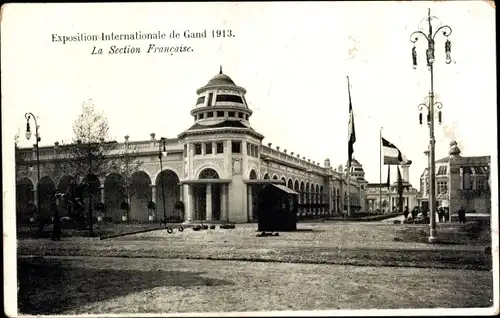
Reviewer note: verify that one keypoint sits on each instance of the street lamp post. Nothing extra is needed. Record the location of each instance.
(162, 151)
(430, 38)
(28, 116)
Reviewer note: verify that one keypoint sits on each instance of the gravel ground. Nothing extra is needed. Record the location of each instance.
(115, 285)
(355, 244)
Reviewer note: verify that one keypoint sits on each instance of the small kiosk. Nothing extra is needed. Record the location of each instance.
(277, 208)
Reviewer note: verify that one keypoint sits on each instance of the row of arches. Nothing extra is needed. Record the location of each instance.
(313, 201)
(113, 191)
(303, 186)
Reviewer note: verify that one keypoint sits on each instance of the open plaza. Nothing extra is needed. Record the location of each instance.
(217, 219)
(321, 266)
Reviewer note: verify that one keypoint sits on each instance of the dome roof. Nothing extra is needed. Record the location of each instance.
(355, 163)
(220, 79)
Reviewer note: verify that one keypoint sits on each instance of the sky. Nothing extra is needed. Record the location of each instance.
(293, 59)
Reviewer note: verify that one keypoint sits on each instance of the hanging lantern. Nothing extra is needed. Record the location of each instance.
(414, 57)
(420, 118)
(439, 117)
(428, 118)
(28, 131)
(447, 49)
(430, 56)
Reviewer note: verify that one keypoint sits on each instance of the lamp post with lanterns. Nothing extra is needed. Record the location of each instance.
(430, 37)
(29, 116)
(162, 152)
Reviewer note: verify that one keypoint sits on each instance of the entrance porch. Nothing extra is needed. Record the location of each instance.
(206, 200)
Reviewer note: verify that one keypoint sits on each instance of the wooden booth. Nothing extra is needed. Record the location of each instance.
(277, 208)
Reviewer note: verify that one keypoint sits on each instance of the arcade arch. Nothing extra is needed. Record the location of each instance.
(207, 200)
(167, 188)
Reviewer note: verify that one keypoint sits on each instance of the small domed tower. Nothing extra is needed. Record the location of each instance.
(327, 163)
(357, 171)
(221, 153)
(220, 100)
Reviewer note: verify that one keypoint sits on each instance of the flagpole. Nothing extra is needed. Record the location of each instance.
(389, 188)
(352, 139)
(380, 169)
(348, 188)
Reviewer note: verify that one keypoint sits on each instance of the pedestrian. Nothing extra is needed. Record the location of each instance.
(56, 226)
(440, 213)
(461, 215)
(406, 212)
(425, 213)
(447, 214)
(414, 213)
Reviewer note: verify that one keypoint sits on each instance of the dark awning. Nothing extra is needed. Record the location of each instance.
(284, 189)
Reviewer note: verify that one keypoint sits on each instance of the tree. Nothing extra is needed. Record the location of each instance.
(89, 152)
(92, 156)
(127, 166)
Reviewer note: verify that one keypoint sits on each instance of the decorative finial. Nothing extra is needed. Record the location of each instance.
(220, 70)
(454, 149)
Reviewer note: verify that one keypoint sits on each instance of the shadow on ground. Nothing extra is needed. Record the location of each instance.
(472, 233)
(52, 287)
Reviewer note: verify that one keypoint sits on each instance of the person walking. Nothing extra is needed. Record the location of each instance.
(406, 212)
(414, 213)
(461, 215)
(440, 213)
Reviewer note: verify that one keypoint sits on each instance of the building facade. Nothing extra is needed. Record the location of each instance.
(215, 167)
(460, 182)
(382, 199)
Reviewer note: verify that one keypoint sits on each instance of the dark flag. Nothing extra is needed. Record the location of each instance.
(392, 154)
(388, 177)
(352, 132)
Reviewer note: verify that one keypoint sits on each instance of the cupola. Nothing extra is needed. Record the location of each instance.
(221, 101)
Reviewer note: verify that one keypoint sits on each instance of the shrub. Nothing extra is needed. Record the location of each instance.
(212, 227)
(228, 226)
(151, 205)
(124, 206)
(174, 219)
(179, 205)
(107, 219)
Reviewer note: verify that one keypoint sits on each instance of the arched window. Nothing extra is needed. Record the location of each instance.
(253, 175)
(209, 174)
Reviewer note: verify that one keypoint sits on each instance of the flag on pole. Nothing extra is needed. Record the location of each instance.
(352, 132)
(392, 154)
(400, 183)
(388, 177)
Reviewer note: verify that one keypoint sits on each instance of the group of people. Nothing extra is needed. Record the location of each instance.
(43, 219)
(415, 212)
(442, 212)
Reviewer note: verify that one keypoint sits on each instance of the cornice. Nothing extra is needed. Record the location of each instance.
(211, 131)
